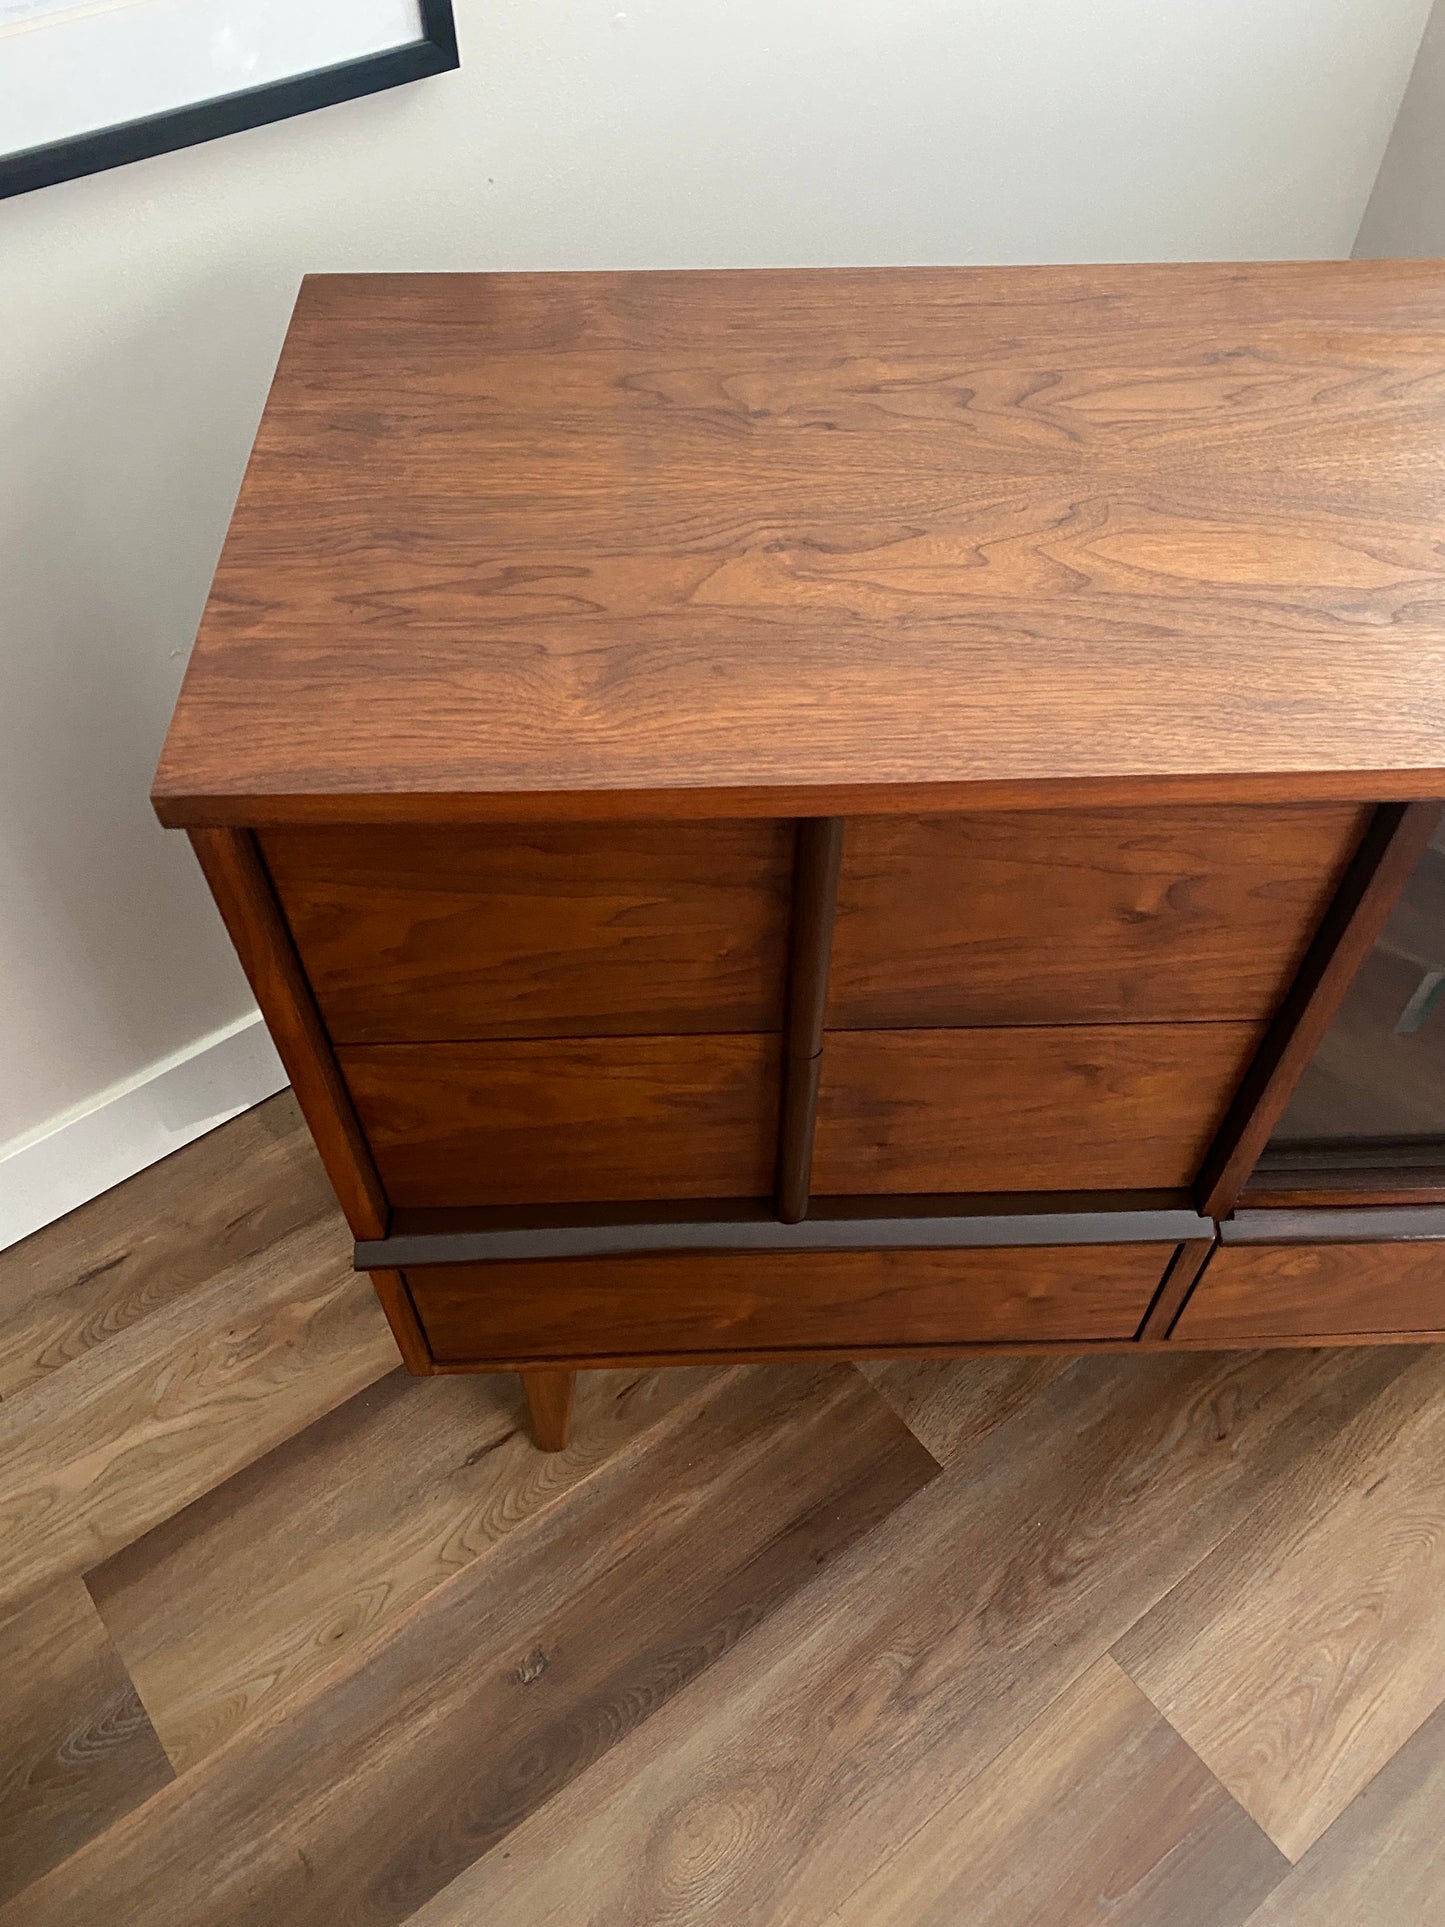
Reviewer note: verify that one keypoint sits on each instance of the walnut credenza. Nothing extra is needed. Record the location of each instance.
(835, 812)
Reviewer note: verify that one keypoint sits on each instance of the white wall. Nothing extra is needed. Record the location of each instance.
(1406, 214)
(141, 311)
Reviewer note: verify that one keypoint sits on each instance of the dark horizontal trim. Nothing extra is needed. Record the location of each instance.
(1382, 1171)
(1397, 1154)
(1353, 1224)
(134, 140)
(1369, 1188)
(413, 1219)
(859, 1226)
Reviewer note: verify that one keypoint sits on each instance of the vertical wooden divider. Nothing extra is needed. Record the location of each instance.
(1396, 839)
(1179, 1280)
(815, 901)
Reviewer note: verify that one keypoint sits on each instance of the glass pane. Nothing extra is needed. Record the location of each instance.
(1378, 1079)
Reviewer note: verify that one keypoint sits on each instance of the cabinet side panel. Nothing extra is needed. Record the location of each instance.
(396, 1301)
(248, 907)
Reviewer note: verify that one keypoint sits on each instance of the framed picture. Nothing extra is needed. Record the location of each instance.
(89, 84)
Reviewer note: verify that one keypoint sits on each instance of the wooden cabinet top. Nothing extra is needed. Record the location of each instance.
(810, 541)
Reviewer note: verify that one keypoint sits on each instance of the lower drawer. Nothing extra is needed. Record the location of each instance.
(1317, 1291)
(1047, 1108)
(569, 1121)
(758, 1302)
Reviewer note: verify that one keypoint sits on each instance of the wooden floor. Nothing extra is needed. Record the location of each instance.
(292, 1638)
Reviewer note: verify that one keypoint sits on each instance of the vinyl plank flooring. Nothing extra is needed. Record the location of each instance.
(78, 1750)
(1382, 1863)
(1097, 1813)
(762, 1793)
(93, 1456)
(952, 1403)
(514, 1675)
(1310, 1645)
(157, 1237)
(255, 1589)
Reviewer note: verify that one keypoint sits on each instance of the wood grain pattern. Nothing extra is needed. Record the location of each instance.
(248, 907)
(1099, 1813)
(1089, 916)
(395, 1301)
(92, 1457)
(797, 542)
(1175, 1287)
(399, 1653)
(1258, 1292)
(78, 1751)
(538, 930)
(862, 1706)
(1093, 1107)
(147, 1244)
(1296, 1663)
(747, 1302)
(1380, 1864)
(952, 1403)
(549, 1398)
(560, 1122)
(396, 1647)
(245, 1600)
(517, 1675)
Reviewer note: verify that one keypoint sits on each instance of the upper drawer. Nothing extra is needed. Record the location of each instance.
(526, 930)
(1084, 916)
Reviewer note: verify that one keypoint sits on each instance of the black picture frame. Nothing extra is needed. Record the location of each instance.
(135, 140)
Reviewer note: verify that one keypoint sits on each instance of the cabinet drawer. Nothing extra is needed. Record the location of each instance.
(656, 1307)
(1317, 1291)
(539, 930)
(1097, 1107)
(569, 1121)
(1086, 916)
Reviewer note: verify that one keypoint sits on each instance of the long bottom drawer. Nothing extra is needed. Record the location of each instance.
(579, 1309)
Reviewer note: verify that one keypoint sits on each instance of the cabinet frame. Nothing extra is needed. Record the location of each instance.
(388, 1240)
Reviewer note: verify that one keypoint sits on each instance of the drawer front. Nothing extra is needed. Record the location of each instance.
(1317, 1291)
(1087, 916)
(1098, 1107)
(656, 1307)
(569, 1121)
(539, 930)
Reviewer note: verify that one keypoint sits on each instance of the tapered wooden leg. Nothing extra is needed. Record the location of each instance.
(549, 1400)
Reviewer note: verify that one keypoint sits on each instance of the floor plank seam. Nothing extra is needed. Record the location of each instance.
(356, 1657)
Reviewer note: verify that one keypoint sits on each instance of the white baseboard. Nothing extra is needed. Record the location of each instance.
(78, 1155)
